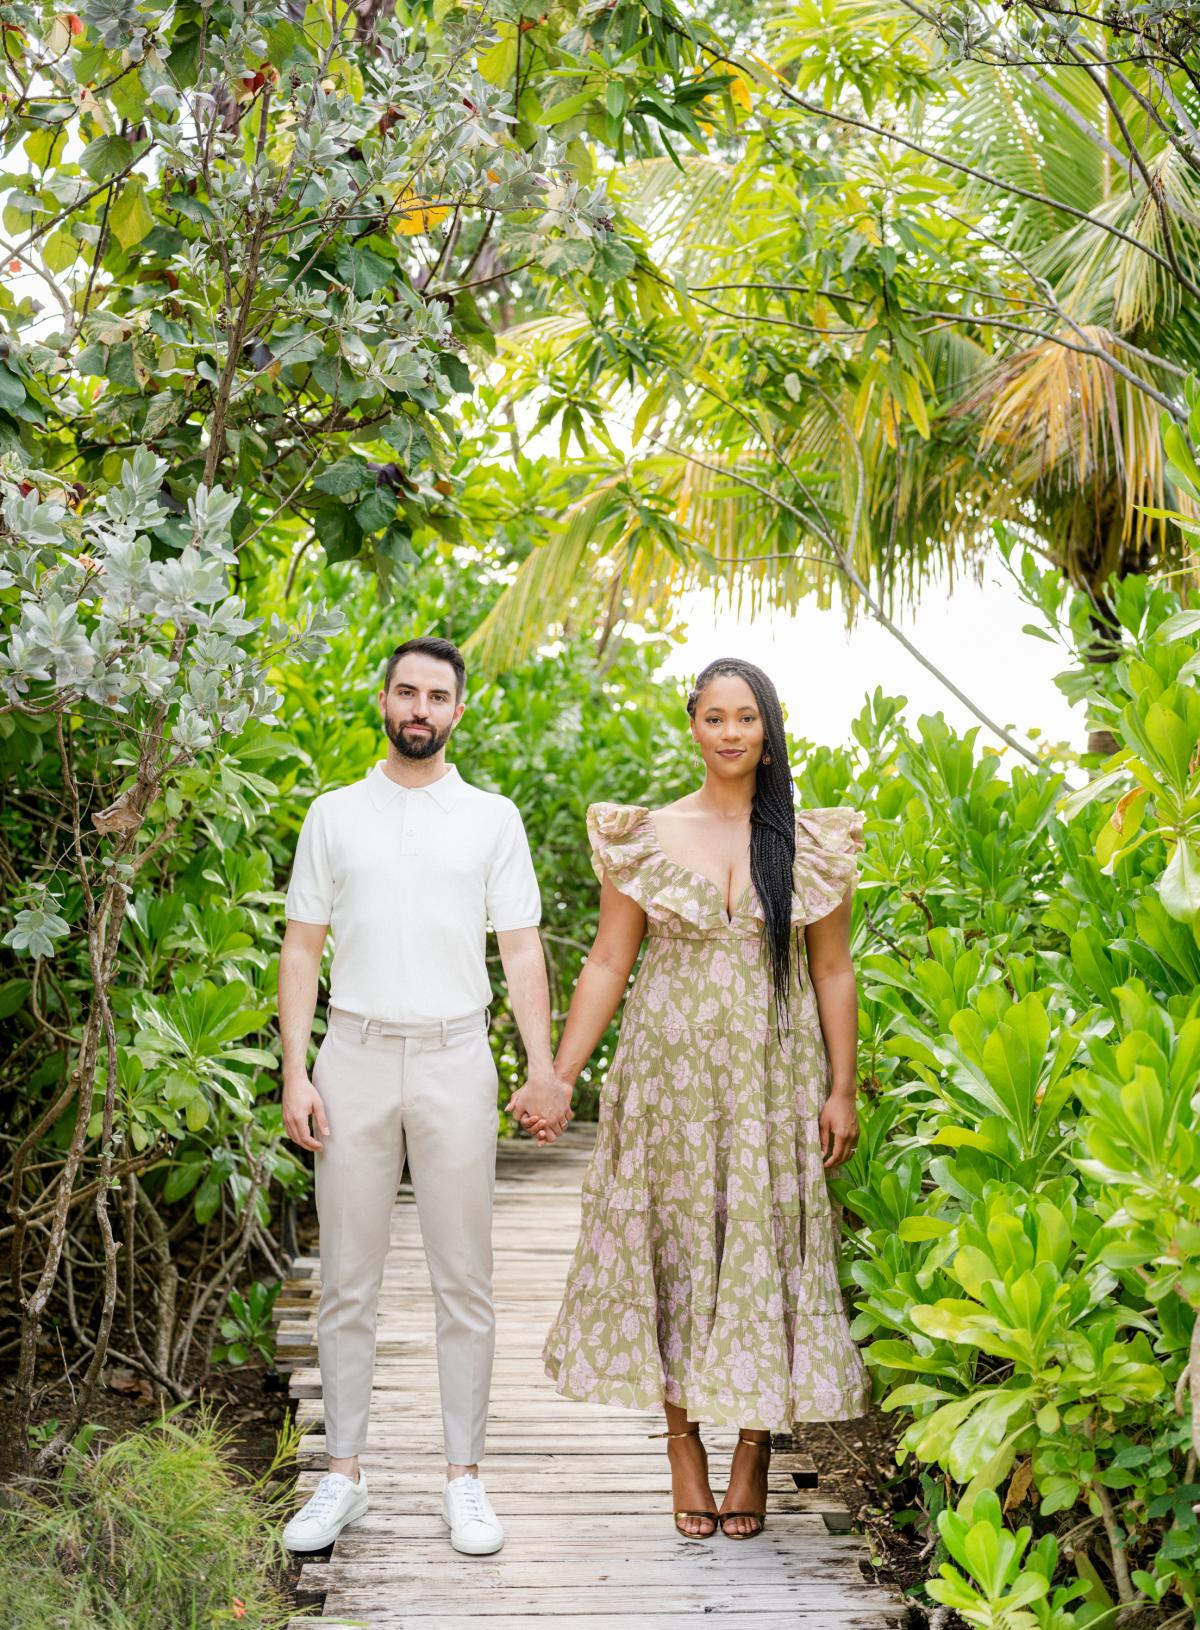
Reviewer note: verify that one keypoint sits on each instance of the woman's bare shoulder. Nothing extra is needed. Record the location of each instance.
(681, 809)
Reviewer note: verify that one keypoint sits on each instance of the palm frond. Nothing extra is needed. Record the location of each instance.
(1068, 423)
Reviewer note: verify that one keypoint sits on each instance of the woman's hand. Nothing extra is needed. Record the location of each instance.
(839, 1128)
(542, 1106)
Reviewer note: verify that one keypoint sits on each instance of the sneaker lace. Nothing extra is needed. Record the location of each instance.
(469, 1498)
(328, 1494)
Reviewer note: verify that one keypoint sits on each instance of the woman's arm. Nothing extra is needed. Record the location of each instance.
(827, 943)
(602, 980)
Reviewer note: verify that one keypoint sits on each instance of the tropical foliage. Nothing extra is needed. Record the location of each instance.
(331, 324)
(154, 1528)
(1027, 1190)
(142, 1121)
(252, 342)
(932, 269)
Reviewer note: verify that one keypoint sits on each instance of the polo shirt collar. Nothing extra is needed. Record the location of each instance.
(382, 789)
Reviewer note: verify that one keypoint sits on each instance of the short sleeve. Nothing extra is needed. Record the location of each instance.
(513, 898)
(622, 847)
(828, 843)
(310, 891)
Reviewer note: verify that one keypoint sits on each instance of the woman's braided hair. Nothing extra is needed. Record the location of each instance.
(772, 821)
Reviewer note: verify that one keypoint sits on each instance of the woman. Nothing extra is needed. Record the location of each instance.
(706, 1271)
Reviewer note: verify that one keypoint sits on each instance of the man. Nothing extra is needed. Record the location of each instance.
(406, 867)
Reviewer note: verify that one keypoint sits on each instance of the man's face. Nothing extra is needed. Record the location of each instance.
(420, 708)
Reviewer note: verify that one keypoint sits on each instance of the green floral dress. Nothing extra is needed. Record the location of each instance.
(706, 1269)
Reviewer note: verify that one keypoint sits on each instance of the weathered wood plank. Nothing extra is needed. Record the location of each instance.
(584, 1495)
(393, 1616)
(704, 1597)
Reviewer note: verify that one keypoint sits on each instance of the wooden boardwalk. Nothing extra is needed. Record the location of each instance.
(583, 1495)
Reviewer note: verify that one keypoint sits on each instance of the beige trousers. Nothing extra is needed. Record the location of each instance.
(429, 1092)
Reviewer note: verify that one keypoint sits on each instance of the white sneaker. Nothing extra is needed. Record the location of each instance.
(337, 1501)
(474, 1526)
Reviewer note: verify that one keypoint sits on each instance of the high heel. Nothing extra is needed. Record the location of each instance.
(759, 1517)
(709, 1516)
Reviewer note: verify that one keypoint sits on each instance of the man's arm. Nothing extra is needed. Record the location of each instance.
(299, 977)
(542, 1098)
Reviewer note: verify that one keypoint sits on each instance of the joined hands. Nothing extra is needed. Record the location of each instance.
(542, 1107)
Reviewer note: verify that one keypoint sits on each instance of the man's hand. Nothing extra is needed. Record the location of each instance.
(300, 1100)
(839, 1129)
(542, 1106)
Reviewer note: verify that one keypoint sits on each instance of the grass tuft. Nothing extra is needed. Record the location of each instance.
(158, 1531)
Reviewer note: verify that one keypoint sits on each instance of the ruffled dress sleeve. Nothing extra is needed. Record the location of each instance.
(828, 843)
(625, 849)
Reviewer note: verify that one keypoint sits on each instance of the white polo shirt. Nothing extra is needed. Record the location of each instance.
(407, 879)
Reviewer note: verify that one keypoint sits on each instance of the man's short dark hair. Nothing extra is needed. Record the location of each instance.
(428, 645)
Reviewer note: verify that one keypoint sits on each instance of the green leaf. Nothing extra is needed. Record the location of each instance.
(407, 437)
(614, 261)
(106, 156)
(208, 1198)
(338, 532)
(45, 145)
(285, 43)
(348, 475)
(1179, 885)
(165, 408)
(182, 1179)
(129, 217)
(128, 96)
(173, 333)
(568, 108)
(12, 390)
(455, 372)
(14, 993)
(910, 390)
(396, 544)
(498, 64)
(120, 365)
(377, 510)
(615, 97)
(364, 270)
(1074, 803)
(59, 251)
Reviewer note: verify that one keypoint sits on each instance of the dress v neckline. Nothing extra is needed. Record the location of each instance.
(701, 877)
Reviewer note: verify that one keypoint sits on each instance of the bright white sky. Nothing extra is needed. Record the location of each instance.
(972, 634)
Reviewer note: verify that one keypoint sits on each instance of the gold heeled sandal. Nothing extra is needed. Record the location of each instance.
(759, 1517)
(709, 1516)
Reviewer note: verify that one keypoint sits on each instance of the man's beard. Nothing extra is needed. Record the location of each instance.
(416, 746)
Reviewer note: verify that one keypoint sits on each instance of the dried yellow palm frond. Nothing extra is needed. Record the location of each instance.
(1145, 291)
(1067, 421)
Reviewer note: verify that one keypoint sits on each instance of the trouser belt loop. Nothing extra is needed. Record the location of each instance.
(445, 1030)
(362, 1035)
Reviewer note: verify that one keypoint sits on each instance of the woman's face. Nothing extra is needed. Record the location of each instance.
(728, 728)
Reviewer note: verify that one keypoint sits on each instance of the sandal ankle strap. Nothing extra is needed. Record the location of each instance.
(692, 1432)
(755, 1443)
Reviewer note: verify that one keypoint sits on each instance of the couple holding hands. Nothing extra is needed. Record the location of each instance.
(705, 1277)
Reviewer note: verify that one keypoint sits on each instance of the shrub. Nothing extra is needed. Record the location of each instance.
(158, 1529)
(1026, 1265)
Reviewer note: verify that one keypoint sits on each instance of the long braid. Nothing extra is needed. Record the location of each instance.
(772, 822)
